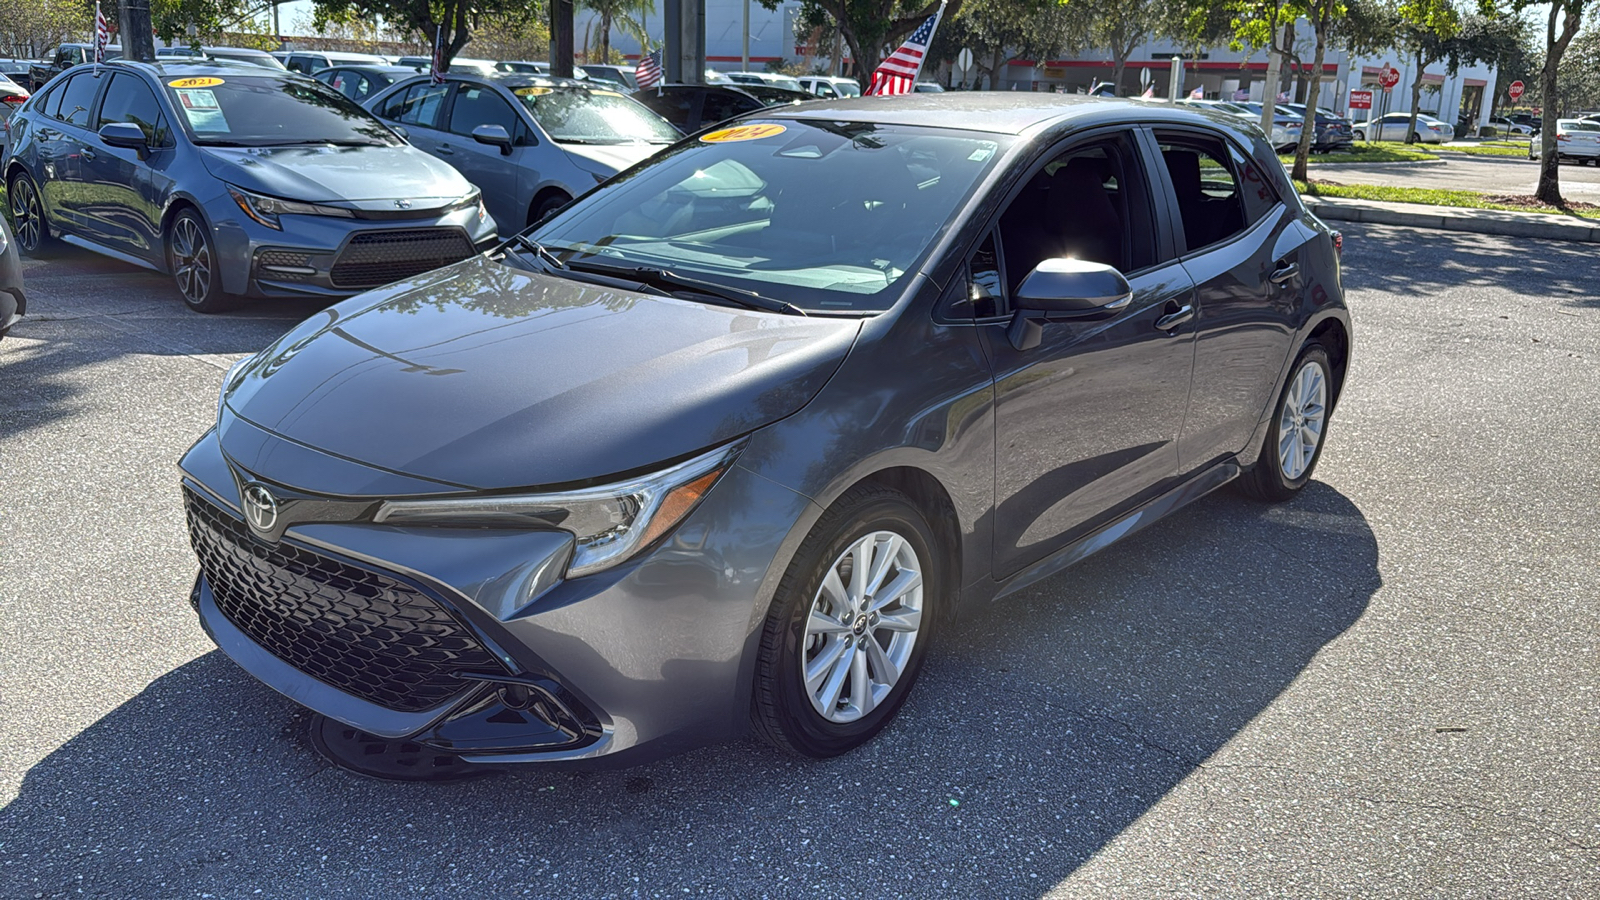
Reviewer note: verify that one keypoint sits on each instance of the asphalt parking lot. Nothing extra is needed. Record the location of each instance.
(1387, 688)
(1497, 175)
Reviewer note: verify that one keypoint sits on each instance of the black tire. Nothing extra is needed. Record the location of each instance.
(545, 207)
(192, 260)
(29, 227)
(1267, 479)
(783, 710)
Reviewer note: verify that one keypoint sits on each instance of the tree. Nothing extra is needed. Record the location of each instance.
(1119, 26)
(627, 14)
(1563, 19)
(1426, 30)
(455, 18)
(873, 27)
(1321, 14)
(997, 31)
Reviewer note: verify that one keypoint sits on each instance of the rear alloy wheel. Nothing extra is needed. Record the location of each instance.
(193, 263)
(27, 217)
(1300, 423)
(848, 631)
(1359, 135)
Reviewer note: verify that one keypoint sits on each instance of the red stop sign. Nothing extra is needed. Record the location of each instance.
(1515, 91)
(1389, 77)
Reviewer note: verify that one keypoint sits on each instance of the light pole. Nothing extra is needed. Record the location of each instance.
(744, 53)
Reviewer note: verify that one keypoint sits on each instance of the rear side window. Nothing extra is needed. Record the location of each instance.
(128, 99)
(1208, 190)
(77, 97)
(719, 106)
(419, 105)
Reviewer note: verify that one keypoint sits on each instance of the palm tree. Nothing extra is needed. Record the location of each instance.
(625, 14)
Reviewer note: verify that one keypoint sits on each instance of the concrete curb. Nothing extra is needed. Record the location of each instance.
(1543, 226)
(1317, 165)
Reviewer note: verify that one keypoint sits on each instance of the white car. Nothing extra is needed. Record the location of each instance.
(787, 82)
(1285, 125)
(1577, 139)
(1393, 127)
(1506, 126)
(831, 86)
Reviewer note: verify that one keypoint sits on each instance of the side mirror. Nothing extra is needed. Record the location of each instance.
(495, 136)
(125, 135)
(400, 131)
(1065, 289)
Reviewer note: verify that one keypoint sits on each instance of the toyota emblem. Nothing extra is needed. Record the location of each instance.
(260, 507)
(402, 204)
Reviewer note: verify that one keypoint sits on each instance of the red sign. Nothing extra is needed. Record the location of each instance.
(1515, 91)
(1388, 77)
(1360, 99)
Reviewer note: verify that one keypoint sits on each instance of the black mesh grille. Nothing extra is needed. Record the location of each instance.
(284, 258)
(379, 257)
(360, 631)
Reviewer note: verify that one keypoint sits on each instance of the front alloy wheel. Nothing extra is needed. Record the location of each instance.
(1294, 443)
(27, 216)
(193, 263)
(850, 625)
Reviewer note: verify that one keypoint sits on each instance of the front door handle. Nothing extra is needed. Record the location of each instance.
(1173, 319)
(1284, 272)
(86, 153)
(444, 150)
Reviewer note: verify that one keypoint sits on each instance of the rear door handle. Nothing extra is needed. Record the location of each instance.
(1173, 319)
(1284, 272)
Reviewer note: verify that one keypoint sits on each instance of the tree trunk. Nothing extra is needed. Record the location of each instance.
(1549, 190)
(1119, 64)
(1320, 21)
(1269, 90)
(1416, 98)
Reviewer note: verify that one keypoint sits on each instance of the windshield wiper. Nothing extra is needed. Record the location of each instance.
(538, 249)
(670, 279)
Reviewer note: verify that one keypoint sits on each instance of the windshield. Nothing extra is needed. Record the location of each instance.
(773, 96)
(253, 111)
(585, 116)
(847, 88)
(827, 216)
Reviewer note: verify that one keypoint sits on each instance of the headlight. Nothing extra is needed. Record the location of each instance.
(266, 210)
(611, 523)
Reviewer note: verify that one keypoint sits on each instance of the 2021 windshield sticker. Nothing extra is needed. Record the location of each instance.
(195, 82)
(742, 133)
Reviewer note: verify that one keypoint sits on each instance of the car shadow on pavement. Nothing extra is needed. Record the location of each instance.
(1413, 262)
(1045, 725)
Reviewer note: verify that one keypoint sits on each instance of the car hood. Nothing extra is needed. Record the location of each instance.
(323, 173)
(609, 159)
(485, 376)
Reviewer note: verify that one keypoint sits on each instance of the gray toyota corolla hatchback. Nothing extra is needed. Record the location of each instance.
(730, 441)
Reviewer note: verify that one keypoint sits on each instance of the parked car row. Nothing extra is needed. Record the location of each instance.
(1576, 139)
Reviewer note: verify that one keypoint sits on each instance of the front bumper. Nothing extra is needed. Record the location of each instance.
(644, 660)
(329, 257)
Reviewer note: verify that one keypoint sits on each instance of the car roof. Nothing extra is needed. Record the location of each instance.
(380, 68)
(184, 66)
(998, 112)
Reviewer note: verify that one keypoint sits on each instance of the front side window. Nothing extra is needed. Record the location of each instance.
(721, 105)
(478, 104)
(128, 99)
(828, 216)
(77, 97)
(1208, 190)
(584, 116)
(249, 111)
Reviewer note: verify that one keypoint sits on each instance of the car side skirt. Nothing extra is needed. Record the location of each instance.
(103, 250)
(1203, 483)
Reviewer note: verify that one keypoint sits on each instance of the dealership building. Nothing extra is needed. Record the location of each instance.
(775, 39)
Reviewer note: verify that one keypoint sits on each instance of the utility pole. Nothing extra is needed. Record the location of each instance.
(561, 38)
(134, 22)
(744, 54)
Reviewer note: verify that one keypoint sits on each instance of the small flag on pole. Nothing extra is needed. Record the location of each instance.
(436, 75)
(102, 34)
(1198, 93)
(649, 73)
(898, 73)
(1149, 93)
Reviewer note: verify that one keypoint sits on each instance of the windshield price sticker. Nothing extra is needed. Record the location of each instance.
(195, 82)
(201, 106)
(742, 133)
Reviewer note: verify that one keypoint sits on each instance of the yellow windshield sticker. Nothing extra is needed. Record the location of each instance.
(195, 82)
(606, 93)
(742, 133)
(531, 91)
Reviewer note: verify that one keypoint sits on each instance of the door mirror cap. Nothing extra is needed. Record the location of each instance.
(495, 136)
(1067, 286)
(125, 135)
(399, 131)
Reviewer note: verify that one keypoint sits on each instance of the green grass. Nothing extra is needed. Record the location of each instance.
(1389, 151)
(1496, 149)
(1429, 196)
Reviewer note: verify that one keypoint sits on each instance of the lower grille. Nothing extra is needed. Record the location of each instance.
(361, 631)
(281, 259)
(375, 258)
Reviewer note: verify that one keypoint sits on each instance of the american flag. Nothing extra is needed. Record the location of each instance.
(649, 73)
(102, 34)
(1198, 93)
(436, 72)
(898, 73)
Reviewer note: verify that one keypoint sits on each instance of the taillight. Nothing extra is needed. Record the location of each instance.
(1563, 137)
(1338, 244)
(15, 101)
